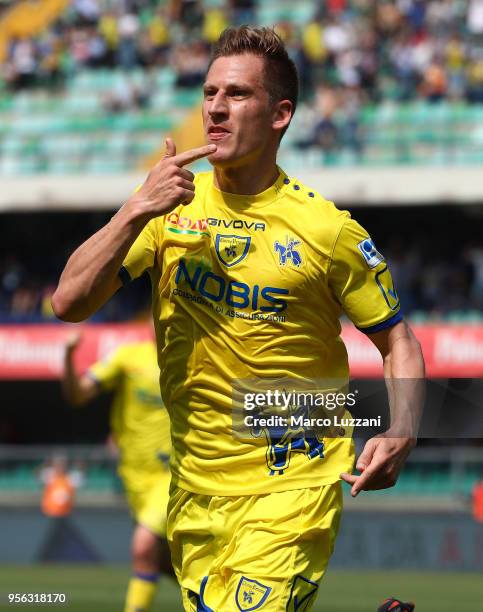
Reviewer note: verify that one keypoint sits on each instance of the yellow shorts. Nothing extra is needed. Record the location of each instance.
(265, 552)
(148, 500)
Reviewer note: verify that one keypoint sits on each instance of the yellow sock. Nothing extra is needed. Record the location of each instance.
(140, 592)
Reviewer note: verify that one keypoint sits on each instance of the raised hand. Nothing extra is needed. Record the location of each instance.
(169, 183)
(73, 341)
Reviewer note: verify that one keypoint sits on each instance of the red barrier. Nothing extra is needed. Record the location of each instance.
(36, 351)
(450, 350)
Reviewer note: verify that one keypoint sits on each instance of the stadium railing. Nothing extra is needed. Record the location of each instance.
(432, 475)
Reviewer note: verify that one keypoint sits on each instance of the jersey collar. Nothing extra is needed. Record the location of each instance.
(240, 202)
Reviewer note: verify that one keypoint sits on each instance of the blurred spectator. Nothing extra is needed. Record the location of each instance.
(402, 48)
(22, 66)
(127, 96)
(88, 11)
(478, 502)
(243, 11)
(214, 23)
(191, 62)
(475, 16)
(434, 85)
(336, 121)
(159, 37)
(59, 487)
(326, 134)
(128, 28)
(107, 27)
(189, 13)
(475, 80)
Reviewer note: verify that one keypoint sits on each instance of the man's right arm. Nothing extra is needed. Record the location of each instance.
(90, 277)
(78, 390)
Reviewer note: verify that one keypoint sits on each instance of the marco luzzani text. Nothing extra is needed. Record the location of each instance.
(297, 407)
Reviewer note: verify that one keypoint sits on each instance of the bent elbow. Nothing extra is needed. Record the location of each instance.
(65, 310)
(60, 307)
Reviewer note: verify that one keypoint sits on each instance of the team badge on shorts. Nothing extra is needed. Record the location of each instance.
(251, 594)
(371, 255)
(231, 249)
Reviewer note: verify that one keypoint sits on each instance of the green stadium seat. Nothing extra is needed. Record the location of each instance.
(35, 124)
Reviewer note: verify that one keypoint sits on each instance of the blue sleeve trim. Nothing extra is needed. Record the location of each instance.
(124, 276)
(384, 325)
(146, 577)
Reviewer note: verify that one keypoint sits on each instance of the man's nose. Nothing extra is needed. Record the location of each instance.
(218, 106)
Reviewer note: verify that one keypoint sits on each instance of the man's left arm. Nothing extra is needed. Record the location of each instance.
(384, 455)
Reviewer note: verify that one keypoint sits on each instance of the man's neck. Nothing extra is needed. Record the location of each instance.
(245, 180)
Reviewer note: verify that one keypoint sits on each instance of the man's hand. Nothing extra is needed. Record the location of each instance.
(78, 390)
(169, 183)
(91, 275)
(73, 341)
(379, 463)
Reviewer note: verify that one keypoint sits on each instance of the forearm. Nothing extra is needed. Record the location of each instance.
(404, 376)
(91, 274)
(384, 455)
(71, 386)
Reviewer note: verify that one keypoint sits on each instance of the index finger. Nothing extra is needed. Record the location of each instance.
(193, 154)
(364, 479)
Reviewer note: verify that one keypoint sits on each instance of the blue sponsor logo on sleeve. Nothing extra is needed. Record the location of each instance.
(369, 252)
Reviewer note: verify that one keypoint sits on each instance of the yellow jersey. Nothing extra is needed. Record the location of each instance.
(138, 417)
(252, 287)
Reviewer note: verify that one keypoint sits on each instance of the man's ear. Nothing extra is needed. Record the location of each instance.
(282, 114)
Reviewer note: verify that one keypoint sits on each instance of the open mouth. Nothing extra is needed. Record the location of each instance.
(217, 133)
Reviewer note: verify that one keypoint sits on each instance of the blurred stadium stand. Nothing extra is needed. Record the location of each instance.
(390, 123)
(85, 84)
(433, 478)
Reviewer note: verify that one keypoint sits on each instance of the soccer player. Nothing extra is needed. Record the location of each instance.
(250, 272)
(140, 428)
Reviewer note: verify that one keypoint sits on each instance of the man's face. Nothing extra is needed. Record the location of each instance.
(237, 113)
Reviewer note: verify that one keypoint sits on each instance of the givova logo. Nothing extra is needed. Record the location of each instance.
(235, 294)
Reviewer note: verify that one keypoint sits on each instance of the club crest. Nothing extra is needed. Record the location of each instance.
(231, 249)
(288, 252)
(251, 594)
